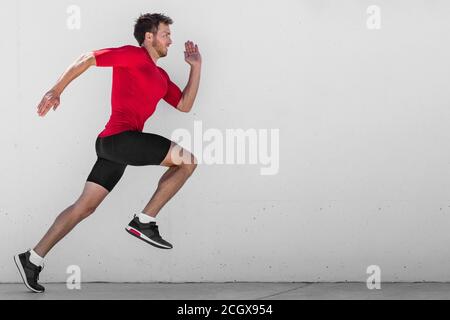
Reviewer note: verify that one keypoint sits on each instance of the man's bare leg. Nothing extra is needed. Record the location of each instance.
(93, 194)
(181, 165)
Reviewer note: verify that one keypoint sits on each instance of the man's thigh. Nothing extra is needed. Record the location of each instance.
(135, 148)
(106, 173)
(177, 155)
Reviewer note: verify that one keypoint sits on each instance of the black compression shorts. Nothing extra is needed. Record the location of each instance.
(126, 148)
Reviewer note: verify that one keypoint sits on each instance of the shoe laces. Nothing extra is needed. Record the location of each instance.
(153, 227)
(39, 268)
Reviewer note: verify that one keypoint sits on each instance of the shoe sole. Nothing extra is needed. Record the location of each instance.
(22, 274)
(139, 235)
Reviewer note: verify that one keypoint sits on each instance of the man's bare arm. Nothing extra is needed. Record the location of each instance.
(194, 59)
(52, 98)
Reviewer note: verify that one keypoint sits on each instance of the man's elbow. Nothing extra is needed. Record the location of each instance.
(88, 59)
(182, 107)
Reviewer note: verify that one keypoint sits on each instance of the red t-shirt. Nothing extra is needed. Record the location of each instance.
(138, 85)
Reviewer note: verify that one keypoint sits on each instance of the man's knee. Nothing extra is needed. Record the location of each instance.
(83, 210)
(191, 168)
(190, 164)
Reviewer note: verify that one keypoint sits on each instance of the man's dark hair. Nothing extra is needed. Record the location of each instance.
(149, 22)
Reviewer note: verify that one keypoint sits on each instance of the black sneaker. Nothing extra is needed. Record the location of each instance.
(147, 232)
(29, 272)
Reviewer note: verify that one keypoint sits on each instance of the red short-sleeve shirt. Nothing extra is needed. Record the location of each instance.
(138, 85)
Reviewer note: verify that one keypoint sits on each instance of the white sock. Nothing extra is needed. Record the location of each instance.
(145, 218)
(36, 259)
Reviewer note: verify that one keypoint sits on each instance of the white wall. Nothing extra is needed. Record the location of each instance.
(364, 159)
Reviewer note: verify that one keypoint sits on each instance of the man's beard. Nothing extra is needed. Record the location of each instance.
(161, 52)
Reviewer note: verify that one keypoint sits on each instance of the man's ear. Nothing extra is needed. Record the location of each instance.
(149, 36)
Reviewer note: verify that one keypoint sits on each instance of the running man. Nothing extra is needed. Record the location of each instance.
(138, 85)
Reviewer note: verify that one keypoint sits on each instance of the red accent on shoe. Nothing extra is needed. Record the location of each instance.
(135, 232)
